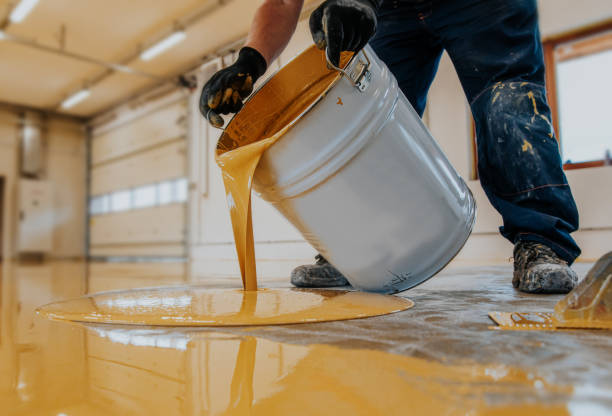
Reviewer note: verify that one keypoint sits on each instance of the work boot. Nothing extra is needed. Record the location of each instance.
(538, 269)
(320, 274)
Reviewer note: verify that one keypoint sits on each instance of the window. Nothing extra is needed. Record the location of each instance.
(120, 201)
(145, 196)
(578, 69)
(99, 205)
(161, 193)
(164, 190)
(180, 190)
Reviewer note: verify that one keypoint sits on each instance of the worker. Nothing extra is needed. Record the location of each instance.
(496, 50)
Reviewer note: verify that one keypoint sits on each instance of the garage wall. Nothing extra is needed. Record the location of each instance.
(65, 161)
(8, 169)
(138, 185)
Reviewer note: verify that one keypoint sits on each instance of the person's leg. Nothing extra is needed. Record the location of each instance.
(412, 55)
(410, 51)
(495, 47)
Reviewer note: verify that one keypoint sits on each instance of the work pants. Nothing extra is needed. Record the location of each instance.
(496, 50)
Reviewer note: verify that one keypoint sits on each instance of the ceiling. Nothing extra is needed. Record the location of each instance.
(35, 71)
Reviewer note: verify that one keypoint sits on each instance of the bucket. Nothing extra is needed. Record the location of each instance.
(357, 173)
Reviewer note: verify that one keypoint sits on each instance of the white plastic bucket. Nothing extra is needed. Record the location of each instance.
(361, 178)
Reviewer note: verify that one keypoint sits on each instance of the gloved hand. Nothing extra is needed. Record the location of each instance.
(343, 25)
(224, 92)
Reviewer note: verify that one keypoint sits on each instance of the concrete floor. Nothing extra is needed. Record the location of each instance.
(442, 357)
(450, 323)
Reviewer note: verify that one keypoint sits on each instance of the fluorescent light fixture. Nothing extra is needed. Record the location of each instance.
(163, 45)
(76, 98)
(22, 10)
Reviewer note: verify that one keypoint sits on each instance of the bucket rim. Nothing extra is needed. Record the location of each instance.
(271, 78)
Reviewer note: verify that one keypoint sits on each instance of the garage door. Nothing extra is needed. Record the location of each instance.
(138, 181)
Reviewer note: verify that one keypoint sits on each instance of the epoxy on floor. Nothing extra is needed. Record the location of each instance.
(200, 305)
(438, 358)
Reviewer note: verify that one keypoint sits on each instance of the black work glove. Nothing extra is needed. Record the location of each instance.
(224, 91)
(343, 25)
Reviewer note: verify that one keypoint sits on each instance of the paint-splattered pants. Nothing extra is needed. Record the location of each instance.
(496, 49)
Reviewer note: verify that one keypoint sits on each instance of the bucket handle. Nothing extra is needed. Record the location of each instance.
(359, 75)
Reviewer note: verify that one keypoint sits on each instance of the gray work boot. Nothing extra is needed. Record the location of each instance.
(321, 274)
(538, 269)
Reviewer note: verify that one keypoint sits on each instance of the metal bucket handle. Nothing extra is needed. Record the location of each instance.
(359, 75)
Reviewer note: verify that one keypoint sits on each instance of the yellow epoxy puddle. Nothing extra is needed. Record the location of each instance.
(262, 122)
(201, 306)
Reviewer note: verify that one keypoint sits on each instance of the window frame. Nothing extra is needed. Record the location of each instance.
(587, 38)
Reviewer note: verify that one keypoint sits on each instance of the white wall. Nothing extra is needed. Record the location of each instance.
(65, 169)
(8, 169)
(558, 16)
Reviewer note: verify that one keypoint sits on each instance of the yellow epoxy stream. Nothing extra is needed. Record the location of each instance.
(238, 167)
(260, 124)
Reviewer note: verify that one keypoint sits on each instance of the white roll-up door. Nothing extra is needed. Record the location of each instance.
(138, 181)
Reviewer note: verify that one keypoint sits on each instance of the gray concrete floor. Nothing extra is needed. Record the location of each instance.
(450, 323)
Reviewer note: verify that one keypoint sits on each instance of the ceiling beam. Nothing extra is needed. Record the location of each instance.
(185, 22)
(64, 53)
(194, 65)
(44, 111)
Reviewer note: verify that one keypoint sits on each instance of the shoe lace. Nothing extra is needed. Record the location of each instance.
(320, 260)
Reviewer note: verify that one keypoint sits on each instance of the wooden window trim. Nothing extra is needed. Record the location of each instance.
(585, 43)
(582, 165)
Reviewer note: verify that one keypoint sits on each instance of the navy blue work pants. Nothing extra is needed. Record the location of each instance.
(496, 50)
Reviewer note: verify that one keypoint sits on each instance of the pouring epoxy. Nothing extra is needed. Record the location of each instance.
(238, 153)
(352, 149)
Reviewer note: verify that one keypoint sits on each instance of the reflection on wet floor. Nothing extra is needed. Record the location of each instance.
(438, 358)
